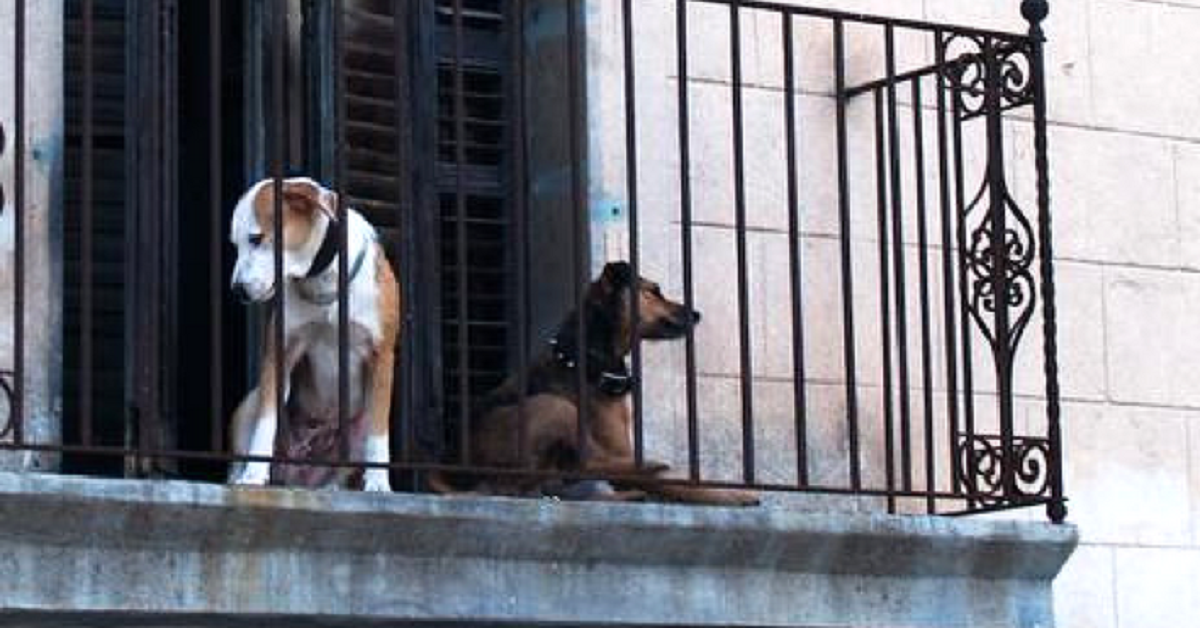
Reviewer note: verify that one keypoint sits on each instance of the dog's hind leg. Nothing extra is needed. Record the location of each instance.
(376, 448)
(372, 444)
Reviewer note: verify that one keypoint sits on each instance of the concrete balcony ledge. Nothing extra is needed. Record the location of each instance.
(183, 554)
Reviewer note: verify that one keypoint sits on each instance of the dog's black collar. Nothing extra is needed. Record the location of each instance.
(612, 382)
(312, 291)
(330, 245)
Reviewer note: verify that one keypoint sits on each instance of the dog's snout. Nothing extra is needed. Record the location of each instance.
(696, 316)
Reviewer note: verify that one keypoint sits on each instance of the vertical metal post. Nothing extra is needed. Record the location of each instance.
(999, 280)
(278, 159)
(743, 284)
(898, 262)
(685, 227)
(964, 296)
(631, 182)
(948, 303)
(520, 213)
(86, 228)
(581, 219)
(404, 207)
(343, 218)
(885, 323)
(1035, 11)
(795, 253)
(216, 228)
(18, 407)
(460, 240)
(847, 265)
(923, 270)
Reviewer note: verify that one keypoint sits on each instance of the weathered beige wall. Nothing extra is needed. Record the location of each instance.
(1125, 155)
(43, 221)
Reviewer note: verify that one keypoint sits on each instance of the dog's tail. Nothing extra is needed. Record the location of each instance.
(699, 495)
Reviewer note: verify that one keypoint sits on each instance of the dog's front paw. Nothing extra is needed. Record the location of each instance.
(253, 474)
(376, 481)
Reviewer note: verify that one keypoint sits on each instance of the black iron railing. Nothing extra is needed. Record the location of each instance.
(959, 266)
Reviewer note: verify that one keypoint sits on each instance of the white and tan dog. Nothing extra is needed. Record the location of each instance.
(310, 428)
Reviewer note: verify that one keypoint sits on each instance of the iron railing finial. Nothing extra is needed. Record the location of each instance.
(1035, 12)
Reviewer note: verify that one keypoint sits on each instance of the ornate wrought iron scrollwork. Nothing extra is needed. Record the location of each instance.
(6, 410)
(1017, 255)
(966, 71)
(981, 468)
(1016, 74)
(987, 76)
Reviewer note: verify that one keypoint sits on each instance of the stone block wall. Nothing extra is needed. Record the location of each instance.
(42, 220)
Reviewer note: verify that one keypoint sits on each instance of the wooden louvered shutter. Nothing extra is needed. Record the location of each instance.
(486, 208)
(109, 198)
(425, 239)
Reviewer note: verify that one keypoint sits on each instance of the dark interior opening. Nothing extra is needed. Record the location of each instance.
(112, 179)
(195, 206)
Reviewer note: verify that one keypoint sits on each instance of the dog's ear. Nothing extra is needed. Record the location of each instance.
(306, 195)
(617, 275)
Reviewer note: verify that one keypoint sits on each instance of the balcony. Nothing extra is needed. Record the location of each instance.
(858, 205)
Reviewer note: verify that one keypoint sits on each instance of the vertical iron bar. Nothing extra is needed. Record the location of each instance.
(343, 218)
(581, 218)
(795, 255)
(520, 217)
(743, 284)
(923, 270)
(86, 214)
(18, 408)
(881, 191)
(404, 205)
(460, 240)
(898, 261)
(964, 296)
(947, 263)
(998, 211)
(631, 175)
(216, 227)
(848, 335)
(685, 226)
(1035, 11)
(278, 158)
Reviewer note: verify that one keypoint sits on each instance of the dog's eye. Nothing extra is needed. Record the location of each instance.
(256, 239)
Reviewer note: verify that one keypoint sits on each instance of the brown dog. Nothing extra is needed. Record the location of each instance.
(551, 407)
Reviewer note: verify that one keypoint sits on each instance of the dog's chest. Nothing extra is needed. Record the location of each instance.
(305, 317)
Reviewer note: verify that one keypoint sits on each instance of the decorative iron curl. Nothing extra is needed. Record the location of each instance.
(1019, 252)
(1032, 467)
(966, 72)
(1016, 74)
(982, 470)
(6, 396)
(967, 67)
